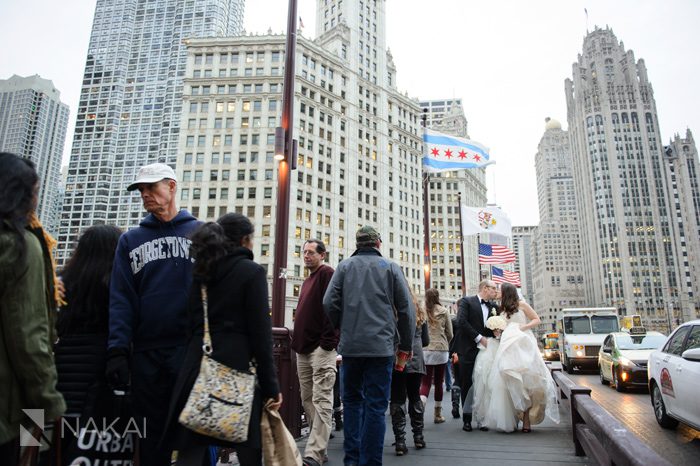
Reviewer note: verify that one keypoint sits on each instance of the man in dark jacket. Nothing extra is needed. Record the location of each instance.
(151, 279)
(471, 320)
(315, 341)
(368, 301)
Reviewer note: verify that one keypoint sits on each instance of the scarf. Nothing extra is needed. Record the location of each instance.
(50, 244)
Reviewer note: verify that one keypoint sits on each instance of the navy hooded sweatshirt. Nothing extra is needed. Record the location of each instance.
(150, 283)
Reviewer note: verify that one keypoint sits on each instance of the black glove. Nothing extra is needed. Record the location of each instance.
(117, 368)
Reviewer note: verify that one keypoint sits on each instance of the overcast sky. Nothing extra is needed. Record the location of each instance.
(507, 60)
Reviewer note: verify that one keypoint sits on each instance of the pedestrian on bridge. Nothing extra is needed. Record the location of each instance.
(471, 320)
(149, 292)
(81, 349)
(315, 342)
(368, 301)
(437, 352)
(239, 324)
(28, 301)
(406, 384)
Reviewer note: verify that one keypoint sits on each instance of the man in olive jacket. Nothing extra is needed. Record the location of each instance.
(27, 369)
(368, 300)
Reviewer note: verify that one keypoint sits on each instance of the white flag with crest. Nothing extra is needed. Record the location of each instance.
(490, 219)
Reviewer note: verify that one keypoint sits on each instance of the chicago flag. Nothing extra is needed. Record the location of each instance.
(444, 153)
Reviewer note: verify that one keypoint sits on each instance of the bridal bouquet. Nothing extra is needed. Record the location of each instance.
(496, 323)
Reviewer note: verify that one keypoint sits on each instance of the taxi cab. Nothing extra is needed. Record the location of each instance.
(622, 360)
(550, 347)
(674, 375)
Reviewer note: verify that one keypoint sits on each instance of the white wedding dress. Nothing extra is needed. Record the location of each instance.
(510, 377)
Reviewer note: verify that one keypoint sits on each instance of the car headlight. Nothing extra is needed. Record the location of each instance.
(626, 362)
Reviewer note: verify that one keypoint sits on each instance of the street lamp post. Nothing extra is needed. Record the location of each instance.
(285, 153)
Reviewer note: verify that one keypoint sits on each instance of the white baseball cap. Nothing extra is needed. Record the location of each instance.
(152, 174)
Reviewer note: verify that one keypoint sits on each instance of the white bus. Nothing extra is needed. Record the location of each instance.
(582, 333)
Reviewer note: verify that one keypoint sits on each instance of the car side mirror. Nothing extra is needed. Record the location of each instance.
(692, 354)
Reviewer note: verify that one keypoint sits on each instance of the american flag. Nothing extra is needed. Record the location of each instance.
(495, 254)
(505, 276)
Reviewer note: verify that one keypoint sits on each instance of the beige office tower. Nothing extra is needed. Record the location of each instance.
(625, 215)
(359, 159)
(681, 157)
(447, 116)
(557, 278)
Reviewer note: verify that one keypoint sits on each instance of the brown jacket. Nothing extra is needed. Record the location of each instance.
(440, 330)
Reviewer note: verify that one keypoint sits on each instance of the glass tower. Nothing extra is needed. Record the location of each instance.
(130, 103)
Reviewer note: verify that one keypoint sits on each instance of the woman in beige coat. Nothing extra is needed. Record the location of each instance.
(437, 352)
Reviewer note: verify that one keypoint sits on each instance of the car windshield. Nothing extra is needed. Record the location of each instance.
(550, 343)
(640, 342)
(605, 324)
(578, 324)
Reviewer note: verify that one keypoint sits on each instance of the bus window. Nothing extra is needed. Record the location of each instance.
(577, 324)
(605, 324)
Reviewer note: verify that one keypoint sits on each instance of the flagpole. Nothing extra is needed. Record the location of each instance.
(461, 242)
(426, 214)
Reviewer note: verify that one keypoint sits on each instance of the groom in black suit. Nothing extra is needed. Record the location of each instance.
(471, 319)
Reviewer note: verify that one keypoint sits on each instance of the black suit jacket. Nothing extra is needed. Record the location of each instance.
(470, 323)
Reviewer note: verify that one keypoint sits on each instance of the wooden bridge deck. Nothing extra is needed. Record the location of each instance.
(448, 445)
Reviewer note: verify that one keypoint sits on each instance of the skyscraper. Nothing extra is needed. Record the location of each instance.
(359, 140)
(522, 247)
(33, 123)
(557, 277)
(131, 102)
(681, 156)
(622, 195)
(447, 116)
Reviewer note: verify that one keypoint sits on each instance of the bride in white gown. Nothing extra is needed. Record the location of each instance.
(511, 381)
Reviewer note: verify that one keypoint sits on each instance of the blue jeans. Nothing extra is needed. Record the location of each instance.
(366, 386)
(448, 374)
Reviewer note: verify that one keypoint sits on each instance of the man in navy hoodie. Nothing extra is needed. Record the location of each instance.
(149, 290)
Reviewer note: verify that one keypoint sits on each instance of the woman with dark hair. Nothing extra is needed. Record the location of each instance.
(407, 384)
(27, 304)
(521, 387)
(437, 352)
(82, 327)
(86, 279)
(239, 324)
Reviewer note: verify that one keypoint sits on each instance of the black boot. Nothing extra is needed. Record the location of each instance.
(398, 423)
(416, 412)
(456, 393)
(338, 417)
(467, 422)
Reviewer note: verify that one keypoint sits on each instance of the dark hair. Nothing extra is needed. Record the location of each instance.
(320, 245)
(509, 299)
(86, 277)
(214, 240)
(432, 298)
(18, 179)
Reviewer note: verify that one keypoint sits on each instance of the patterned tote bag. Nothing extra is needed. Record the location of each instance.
(221, 399)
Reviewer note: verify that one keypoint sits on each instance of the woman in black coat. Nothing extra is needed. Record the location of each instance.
(82, 321)
(81, 349)
(239, 324)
